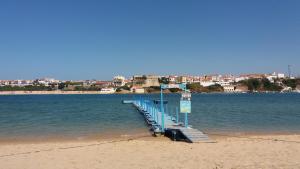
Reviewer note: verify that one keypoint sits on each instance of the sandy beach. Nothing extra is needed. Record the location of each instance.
(268, 151)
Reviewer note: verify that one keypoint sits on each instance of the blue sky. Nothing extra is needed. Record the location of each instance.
(98, 39)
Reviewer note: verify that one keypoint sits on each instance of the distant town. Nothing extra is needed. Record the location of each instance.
(273, 82)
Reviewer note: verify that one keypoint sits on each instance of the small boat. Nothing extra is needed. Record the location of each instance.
(158, 101)
(107, 91)
(127, 101)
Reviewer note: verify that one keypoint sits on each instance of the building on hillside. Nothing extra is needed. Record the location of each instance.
(280, 75)
(229, 88)
(172, 79)
(249, 76)
(152, 80)
(88, 83)
(227, 78)
(273, 76)
(216, 78)
(207, 83)
(46, 81)
(103, 84)
(240, 78)
(119, 81)
(196, 79)
(145, 80)
(223, 83)
(190, 80)
(4, 83)
(181, 79)
(138, 80)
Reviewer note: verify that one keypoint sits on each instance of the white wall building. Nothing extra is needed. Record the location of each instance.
(229, 89)
(137, 90)
(223, 83)
(119, 81)
(280, 75)
(172, 79)
(207, 83)
(107, 91)
(273, 76)
(238, 79)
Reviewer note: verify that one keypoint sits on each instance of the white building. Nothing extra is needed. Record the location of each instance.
(280, 75)
(241, 78)
(207, 83)
(216, 77)
(137, 90)
(47, 81)
(273, 76)
(223, 83)
(119, 81)
(107, 91)
(172, 79)
(229, 89)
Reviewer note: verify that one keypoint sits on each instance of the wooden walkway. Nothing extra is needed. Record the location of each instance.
(154, 120)
(194, 135)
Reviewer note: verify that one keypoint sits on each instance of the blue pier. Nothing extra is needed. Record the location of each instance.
(163, 123)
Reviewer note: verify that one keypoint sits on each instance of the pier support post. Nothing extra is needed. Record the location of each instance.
(186, 120)
(162, 110)
(177, 115)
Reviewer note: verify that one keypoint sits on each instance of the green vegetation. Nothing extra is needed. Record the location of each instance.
(174, 90)
(74, 83)
(26, 88)
(61, 86)
(152, 89)
(291, 82)
(91, 88)
(268, 86)
(122, 88)
(253, 84)
(215, 88)
(196, 87)
(261, 85)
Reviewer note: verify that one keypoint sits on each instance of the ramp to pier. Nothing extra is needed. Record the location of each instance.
(194, 135)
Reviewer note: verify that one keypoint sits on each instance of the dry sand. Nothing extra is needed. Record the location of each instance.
(273, 151)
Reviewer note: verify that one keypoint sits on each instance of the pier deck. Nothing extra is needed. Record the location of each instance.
(153, 117)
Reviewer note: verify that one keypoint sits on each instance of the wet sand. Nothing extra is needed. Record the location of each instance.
(242, 151)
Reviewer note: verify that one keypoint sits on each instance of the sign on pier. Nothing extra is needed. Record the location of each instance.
(185, 106)
(185, 102)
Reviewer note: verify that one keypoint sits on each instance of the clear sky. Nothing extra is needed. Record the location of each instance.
(98, 39)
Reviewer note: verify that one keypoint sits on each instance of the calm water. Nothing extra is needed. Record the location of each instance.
(83, 116)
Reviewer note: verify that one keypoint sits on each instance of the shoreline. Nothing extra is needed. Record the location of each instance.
(58, 92)
(146, 136)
